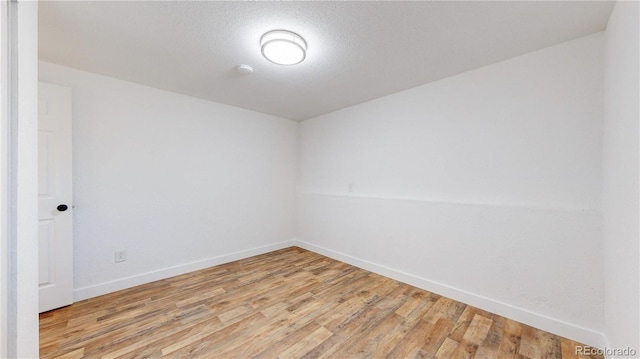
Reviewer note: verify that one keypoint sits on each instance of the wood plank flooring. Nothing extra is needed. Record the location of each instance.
(290, 303)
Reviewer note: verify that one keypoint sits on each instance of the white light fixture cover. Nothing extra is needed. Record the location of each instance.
(283, 47)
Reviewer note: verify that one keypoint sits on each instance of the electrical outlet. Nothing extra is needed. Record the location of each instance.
(121, 256)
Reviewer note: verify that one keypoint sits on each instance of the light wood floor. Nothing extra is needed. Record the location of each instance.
(290, 303)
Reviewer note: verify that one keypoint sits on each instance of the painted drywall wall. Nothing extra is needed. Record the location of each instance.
(179, 183)
(4, 193)
(621, 182)
(23, 289)
(485, 187)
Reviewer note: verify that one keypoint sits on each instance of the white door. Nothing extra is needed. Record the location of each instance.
(55, 218)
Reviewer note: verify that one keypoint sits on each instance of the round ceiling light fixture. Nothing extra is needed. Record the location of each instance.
(283, 47)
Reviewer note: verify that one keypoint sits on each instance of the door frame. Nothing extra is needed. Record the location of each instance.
(3, 178)
(18, 169)
(7, 216)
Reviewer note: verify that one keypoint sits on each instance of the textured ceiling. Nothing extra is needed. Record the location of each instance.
(358, 51)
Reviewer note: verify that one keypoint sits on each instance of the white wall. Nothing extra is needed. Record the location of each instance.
(27, 183)
(621, 206)
(485, 187)
(180, 183)
(4, 179)
(20, 151)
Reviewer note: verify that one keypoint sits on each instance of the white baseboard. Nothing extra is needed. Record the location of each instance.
(552, 325)
(148, 277)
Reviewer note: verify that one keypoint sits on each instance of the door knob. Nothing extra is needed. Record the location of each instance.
(62, 207)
